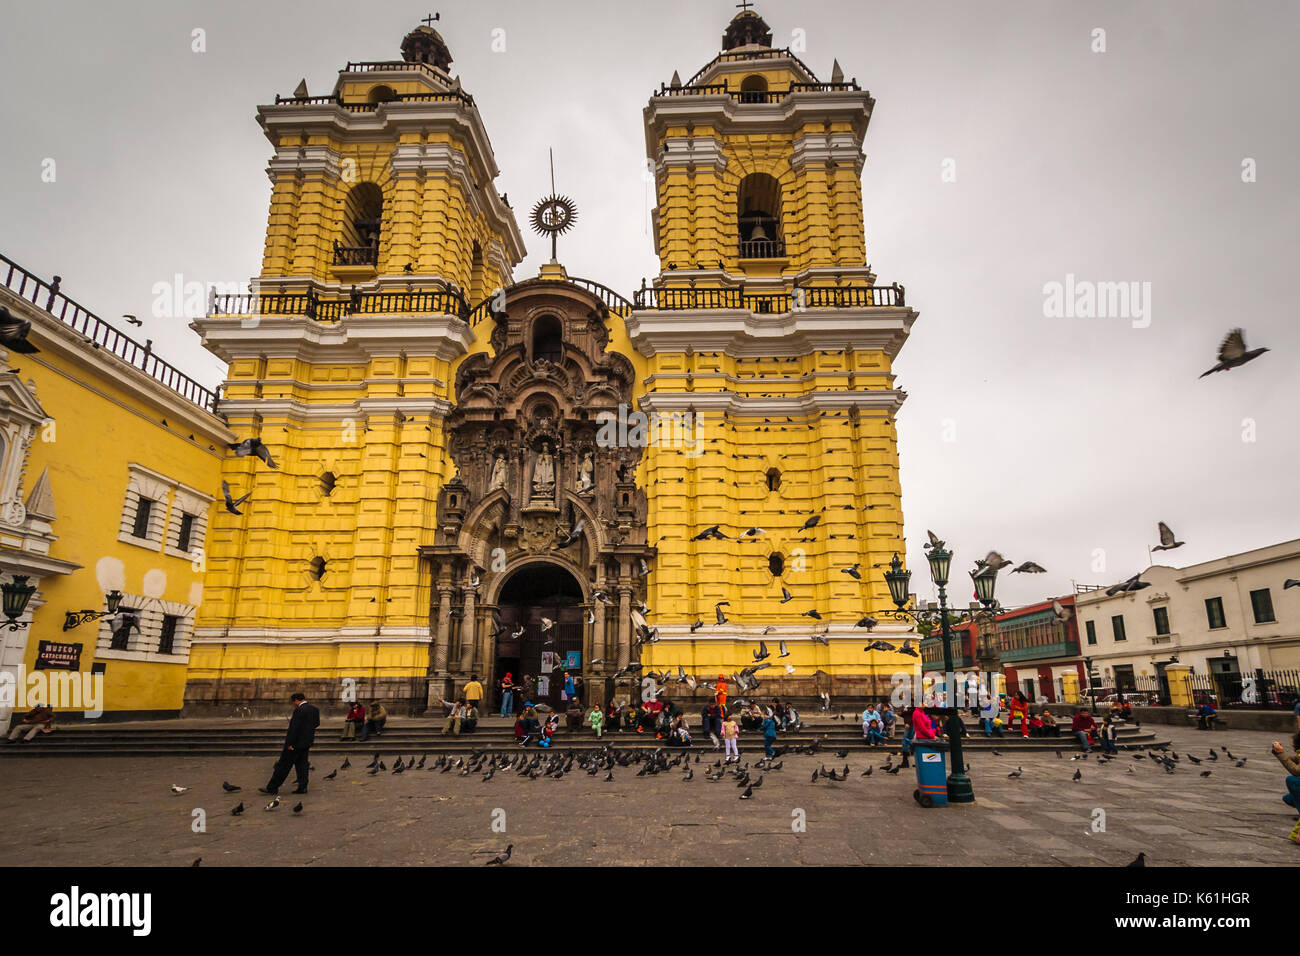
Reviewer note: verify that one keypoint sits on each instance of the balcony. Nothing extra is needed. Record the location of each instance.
(762, 249)
(775, 303)
(320, 309)
(356, 255)
(1038, 652)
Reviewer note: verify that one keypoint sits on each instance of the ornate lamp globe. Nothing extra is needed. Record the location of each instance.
(986, 580)
(113, 600)
(940, 559)
(15, 595)
(898, 579)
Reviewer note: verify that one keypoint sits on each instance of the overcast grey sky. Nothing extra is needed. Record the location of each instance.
(1047, 438)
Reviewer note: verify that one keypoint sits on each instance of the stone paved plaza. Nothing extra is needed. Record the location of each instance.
(113, 811)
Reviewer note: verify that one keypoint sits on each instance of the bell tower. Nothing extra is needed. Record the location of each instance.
(385, 228)
(767, 331)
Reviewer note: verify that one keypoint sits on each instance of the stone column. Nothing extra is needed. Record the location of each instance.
(443, 637)
(467, 636)
(598, 649)
(624, 625)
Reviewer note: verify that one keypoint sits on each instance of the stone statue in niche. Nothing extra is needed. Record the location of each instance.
(544, 472)
(498, 473)
(586, 474)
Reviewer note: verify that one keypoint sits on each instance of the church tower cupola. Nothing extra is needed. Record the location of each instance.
(425, 45)
(746, 28)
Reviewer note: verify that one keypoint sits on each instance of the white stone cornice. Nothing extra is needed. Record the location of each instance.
(355, 339)
(741, 333)
(696, 152)
(291, 409)
(305, 160)
(287, 635)
(886, 401)
(729, 117)
(820, 149)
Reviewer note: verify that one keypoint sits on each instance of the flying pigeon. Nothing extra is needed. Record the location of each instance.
(762, 653)
(994, 561)
(13, 332)
(717, 609)
(254, 447)
(710, 532)
(810, 523)
(574, 536)
(934, 541)
(1232, 352)
(232, 504)
(1290, 583)
(1062, 612)
(1132, 584)
(867, 622)
(811, 612)
(786, 595)
(785, 651)
(1029, 567)
(1167, 539)
(852, 572)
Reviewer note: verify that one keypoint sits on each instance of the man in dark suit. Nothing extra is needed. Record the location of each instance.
(297, 746)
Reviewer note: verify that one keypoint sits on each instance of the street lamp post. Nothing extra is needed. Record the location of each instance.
(940, 559)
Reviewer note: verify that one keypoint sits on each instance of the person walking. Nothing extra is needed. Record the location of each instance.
(507, 695)
(297, 746)
(731, 737)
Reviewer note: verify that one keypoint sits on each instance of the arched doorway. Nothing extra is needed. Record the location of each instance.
(531, 593)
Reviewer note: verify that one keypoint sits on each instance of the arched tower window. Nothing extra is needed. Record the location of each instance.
(476, 283)
(773, 480)
(381, 94)
(753, 89)
(363, 215)
(759, 217)
(548, 339)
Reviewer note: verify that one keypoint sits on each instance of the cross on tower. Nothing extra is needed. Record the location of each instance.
(744, 5)
(429, 20)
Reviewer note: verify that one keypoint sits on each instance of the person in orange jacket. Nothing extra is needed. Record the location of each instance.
(720, 694)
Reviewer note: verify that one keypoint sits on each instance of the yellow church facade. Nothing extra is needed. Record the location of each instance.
(109, 457)
(467, 474)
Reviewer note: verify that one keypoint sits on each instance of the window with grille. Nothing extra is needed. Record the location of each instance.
(122, 636)
(1261, 604)
(1214, 612)
(1161, 615)
(143, 509)
(185, 533)
(167, 639)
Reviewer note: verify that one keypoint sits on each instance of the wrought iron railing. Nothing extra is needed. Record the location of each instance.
(753, 96)
(856, 297)
(355, 255)
(102, 335)
(730, 57)
(363, 106)
(615, 302)
(1262, 689)
(331, 309)
(762, 248)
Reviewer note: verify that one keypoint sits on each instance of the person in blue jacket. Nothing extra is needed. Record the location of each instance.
(769, 735)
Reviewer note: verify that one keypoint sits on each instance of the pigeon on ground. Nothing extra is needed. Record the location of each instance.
(229, 787)
(1139, 860)
(1206, 773)
(748, 794)
(346, 763)
(275, 802)
(1078, 775)
(331, 775)
(1018, 771)
(501, 858)
(238, 810)
(176, 789)
(1233, 352)
(297, 808)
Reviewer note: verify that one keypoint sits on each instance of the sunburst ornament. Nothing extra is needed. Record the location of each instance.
(555, 214)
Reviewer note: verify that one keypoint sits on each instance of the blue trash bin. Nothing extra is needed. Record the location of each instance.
(931, 773)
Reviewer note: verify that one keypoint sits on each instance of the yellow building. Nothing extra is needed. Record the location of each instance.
(109, 458)
(480, 477)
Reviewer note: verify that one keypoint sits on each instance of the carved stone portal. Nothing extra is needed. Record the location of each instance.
(536, 491)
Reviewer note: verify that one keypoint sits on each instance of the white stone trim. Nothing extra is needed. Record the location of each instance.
(295, 636)
(356, 339)
(143, 643)
(888, 401)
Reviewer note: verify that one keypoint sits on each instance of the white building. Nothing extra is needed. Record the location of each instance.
(1223, 618)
